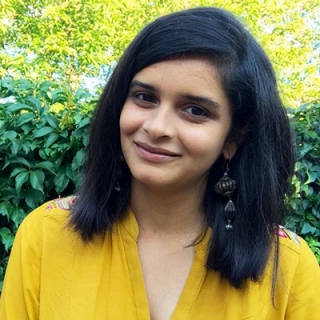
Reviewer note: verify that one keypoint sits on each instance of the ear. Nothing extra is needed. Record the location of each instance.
(233, 142)
(230, 149)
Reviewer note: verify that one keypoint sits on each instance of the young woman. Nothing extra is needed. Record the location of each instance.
(179, 213)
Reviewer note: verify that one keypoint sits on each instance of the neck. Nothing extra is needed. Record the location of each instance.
(174, 214)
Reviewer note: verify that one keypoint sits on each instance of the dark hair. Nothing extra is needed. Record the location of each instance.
(262, 165)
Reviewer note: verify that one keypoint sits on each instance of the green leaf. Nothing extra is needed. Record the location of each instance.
(26, 128)
(21, 179)
(35, 102)
(22, 161)
(8, 83)
(4, 206)
(19, 160)
(24, 84)
(58, 95)
(7, 190)
(312, 176)
(45, 86)
(316, 169)
(86, 140)
(61, 181)
(16, 171)
(80, 94)
(6, 238)
(19, 107)
(36, 180)
(312, 134)
(43, 132)
(2, 124)
(33, 198)
(53, 121)
(305, 149)
(17, 215)
(15, 146)
(27, 147)
(74, 143)
(69, 172)
(43, 155)
(82, 128)
(83, 123)
(64, 133)
(47, 165)
(25, 118)
(78, 160)
(308, 229)
(9, 135)
(51, 139)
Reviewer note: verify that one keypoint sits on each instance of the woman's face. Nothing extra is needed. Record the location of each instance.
(174, 123)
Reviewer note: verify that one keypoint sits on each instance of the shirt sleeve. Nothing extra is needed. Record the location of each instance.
(303, 303)
(20, 294)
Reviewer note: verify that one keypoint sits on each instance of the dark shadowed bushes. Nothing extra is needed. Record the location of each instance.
(305, 202)
(43, 133)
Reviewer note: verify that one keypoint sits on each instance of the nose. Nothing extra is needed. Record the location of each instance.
(160, 122)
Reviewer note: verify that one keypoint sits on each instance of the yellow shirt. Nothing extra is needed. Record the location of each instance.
(53, 275)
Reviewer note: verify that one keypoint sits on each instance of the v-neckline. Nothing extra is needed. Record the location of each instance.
(193, 282)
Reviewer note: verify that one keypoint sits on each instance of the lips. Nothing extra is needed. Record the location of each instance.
(145, 148)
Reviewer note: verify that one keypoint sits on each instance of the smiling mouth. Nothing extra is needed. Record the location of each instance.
(155, 151)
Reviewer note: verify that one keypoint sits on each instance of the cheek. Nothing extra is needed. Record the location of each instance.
(125, 131)
(207, 145)
(126, 121)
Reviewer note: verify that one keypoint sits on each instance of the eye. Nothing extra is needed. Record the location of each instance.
(145, 97)
(197, 111)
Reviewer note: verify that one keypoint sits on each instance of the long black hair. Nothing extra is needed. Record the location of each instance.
(262, 165)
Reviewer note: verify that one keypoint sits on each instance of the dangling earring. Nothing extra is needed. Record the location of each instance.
(226, 186)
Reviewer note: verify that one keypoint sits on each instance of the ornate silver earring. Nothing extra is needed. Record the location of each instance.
(226, 186)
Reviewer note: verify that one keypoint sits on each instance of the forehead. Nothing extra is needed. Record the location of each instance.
(188, 75)
(189, 65)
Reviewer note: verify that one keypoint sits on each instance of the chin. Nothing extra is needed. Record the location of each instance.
(152, 181)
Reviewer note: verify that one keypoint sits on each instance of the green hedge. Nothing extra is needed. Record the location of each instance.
(43, 133)
(305, 201)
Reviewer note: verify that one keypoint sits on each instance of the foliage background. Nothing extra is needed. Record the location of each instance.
(56, 54)
(79, 41)
(43, 133)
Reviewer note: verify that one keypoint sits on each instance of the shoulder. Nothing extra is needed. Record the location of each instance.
(298, 276)
(62, 204)
(54, 208)
(296, 258)
(291, 243)
(289, 239)
(53, 214)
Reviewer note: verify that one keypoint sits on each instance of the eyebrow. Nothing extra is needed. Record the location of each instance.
(195, 98)
(209, 102)
(137, 83)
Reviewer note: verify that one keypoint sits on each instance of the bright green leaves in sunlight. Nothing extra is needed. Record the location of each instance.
(80, 41)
